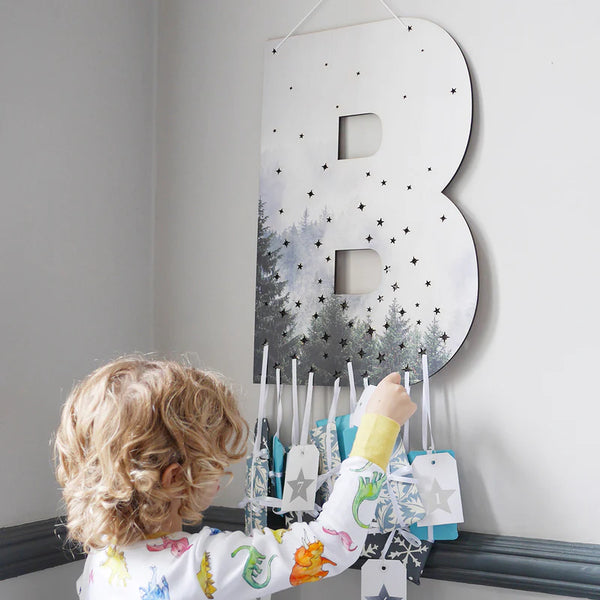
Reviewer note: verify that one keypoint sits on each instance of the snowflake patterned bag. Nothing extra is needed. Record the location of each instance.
(413, 556)
(324, 437)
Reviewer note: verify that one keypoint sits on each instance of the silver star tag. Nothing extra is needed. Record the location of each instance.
(436, 498)
(299, 486)
(383, 595)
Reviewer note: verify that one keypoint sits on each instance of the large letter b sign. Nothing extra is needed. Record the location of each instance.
(411, 86)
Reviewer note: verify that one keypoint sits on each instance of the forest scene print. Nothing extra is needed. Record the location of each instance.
(301, 317)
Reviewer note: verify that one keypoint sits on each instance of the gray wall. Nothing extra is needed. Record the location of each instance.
(76, 171)
(76, 228)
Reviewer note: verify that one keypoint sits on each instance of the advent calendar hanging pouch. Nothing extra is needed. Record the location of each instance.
(257, 498)
(325, 438)
(437, 479)
(345, 430)
(302, 466)
(278, 449)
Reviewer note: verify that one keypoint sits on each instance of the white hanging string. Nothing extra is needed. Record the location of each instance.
(295, 430)
(426, 430)
(307, 410)
(314, 8)
(279, 407)
(352, 387)
(331, 422)
(406, 430)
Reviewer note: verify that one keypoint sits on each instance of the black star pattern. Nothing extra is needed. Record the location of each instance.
(276, 365)
(443, 218)
(369, 238)
(380, 222)
(325, 337)
(379, 298)
(343, 342)
(406, 230)
(337, 374)
(284, 333)
(407, 367)
(300, 266)
(328, 258)
(283, 313)
(325, 355)
(409, 187)
(444, 337)
(414, 261)
(281, 211)
(365, 374)
(386, 325)
(304, 339)
(298, 304)
(453, 91)
(393, 240)
(401, 346)
(322, 299)
(310, 194)
(318, 243)
(418, 322)
(329, 219)
(286, 243)
(357, 72)
(301, 136)
(386, 268)
(368, 309)
(274, 51)
(344, 305)
(294, 356)
(428, 283)
(422, 351)
(395, 286)
(361, 353)
(278, 171)
(319, 281)
(316, 316)
(417, 305)
(410, 27)
(383, 182)
(361, 206)
(368, 173)
(324, 167)
(436, 311)
(429, 169)
(350, 324)
(276, 276)
(381, 357)
(266, 303)
(370, 331)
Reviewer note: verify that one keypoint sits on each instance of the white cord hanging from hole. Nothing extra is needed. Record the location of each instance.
(314, 8)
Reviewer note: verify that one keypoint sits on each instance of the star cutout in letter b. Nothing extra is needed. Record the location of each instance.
(383, 595)
(299, 486)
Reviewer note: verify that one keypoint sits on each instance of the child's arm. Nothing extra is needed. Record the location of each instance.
(239, 566)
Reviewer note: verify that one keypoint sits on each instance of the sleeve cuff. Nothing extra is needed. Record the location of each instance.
(375, 439)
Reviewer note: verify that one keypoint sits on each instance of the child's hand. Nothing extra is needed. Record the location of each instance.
(391, 400)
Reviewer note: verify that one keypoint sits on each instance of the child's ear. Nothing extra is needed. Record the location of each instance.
(170, 475)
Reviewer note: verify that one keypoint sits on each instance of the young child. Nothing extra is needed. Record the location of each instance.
(141, 448)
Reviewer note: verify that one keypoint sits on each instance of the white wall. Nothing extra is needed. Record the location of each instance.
(517, 402)
(76, 227)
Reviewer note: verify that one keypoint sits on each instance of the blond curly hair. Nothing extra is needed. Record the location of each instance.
(122, 426)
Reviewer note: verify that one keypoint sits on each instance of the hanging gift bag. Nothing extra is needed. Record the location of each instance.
(346, 432)
(302, 467)
(437, 478)
(325, 438)
(257, 497)
(277, 448)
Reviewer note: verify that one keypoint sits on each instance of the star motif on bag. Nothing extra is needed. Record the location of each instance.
(436, 498)
(299, 486)
(383, 595)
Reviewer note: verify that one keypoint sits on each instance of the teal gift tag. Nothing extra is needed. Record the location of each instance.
(278, 457)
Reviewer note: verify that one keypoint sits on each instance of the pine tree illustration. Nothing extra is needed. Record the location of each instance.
(363, 350)
(437, 352)
(326, 343)
(393, 344)
(274, 320)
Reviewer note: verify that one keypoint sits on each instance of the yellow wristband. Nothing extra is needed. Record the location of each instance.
(375, 439)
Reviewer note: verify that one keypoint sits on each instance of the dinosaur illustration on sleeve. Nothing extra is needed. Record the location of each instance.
(368, 489)
(309, 564)
(204, 577)
(155, 591)
(345, 537)
(254, 567)
(178, 547)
